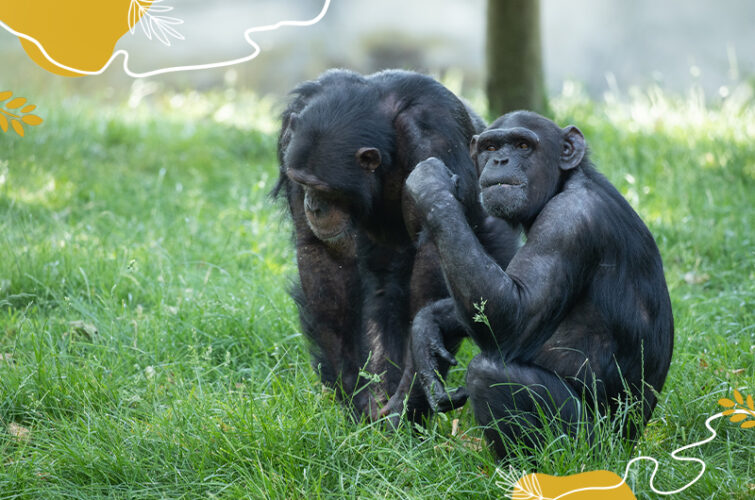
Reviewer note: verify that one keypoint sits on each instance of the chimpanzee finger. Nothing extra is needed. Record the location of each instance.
(452, 401)
(431, 386)
(441, 351)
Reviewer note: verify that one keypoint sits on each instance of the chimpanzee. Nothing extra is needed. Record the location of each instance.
(346, 146)
(579, 320)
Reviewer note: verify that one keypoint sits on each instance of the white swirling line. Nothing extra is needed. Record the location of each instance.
(175, 69)
(656, 465)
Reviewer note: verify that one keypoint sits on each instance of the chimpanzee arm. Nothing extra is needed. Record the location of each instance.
(524, 304)
(331, 273)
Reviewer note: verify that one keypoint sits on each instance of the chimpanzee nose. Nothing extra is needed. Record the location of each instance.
(500, 161)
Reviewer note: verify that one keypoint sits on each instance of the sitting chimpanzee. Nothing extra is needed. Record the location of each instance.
(580, 316)
(346, 146)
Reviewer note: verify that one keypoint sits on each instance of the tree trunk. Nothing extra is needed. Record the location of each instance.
(514, 57)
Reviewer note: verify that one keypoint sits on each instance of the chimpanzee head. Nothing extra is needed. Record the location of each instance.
(337, 153)
(521, 159)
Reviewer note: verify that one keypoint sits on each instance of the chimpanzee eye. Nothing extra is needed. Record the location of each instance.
(491, 148)
(523, 145)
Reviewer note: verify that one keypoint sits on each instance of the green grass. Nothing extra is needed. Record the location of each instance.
(148, 348)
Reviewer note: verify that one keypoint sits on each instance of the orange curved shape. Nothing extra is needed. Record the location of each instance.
(80, 34)
(548, 487)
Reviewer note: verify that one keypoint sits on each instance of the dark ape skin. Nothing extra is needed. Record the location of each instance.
(346, 146)
(581, 315)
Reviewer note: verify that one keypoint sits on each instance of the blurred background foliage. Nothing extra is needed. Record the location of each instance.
(607, 45)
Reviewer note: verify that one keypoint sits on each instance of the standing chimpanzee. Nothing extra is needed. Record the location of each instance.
(346, 146)
(580, 316)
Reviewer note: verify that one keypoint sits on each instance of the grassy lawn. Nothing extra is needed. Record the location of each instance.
(148, 348)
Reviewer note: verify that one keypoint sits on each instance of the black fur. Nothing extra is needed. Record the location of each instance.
(579, 319)
(359, 291)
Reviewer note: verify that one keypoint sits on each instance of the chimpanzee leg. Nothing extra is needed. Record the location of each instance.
(514, 400)
(385, 274)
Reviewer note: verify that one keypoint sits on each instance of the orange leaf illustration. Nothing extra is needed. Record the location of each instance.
(16, 103)
(726, 403)
(17, 127)
(740, 411)
(738, 397)
(32, 120)
(19, 114)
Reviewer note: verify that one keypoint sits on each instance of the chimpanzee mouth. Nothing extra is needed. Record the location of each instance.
(329, 236)
(334, 235)
(504, 184)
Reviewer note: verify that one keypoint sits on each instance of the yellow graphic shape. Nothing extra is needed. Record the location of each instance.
(16, 112)
(545, 487)
(76, 33)
(735, 414)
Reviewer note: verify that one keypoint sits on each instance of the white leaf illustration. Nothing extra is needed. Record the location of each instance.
(159, 26)
(172, 32)
(157, 29)
(132, 16)
(160, 8)
(146, 27)
(169, 20)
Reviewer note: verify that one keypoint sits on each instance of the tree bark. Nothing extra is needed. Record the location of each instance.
(514, 57)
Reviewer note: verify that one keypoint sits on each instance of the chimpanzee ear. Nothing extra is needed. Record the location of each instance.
(292, 119)
(572, 149)
(369, 158)
(473, 153)
(473, 146)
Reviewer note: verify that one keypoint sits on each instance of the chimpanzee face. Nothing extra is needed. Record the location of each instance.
(327, 215)
(337, 183)
(521, 161)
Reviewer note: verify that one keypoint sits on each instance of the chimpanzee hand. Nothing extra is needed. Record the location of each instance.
(428, 350)
(431, 184)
